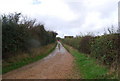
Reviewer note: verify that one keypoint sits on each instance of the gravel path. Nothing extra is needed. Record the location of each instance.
(57, 65)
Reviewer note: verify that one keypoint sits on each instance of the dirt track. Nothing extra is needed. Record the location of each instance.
(58, 65)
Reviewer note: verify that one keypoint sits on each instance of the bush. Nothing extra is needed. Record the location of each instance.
(74, 42)
(22, 35)
(106, 48)
(85, 44)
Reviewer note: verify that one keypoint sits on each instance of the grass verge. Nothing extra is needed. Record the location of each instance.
(24, 59)
(87, 66)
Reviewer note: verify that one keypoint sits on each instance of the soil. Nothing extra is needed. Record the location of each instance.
(57, 65)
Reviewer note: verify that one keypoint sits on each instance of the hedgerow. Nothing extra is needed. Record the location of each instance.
(21, 34)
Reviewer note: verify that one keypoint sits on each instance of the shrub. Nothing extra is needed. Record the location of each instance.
(106, 48)
(22, 35)
(74, 42)
(85, 44)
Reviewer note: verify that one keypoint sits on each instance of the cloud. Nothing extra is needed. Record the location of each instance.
(57, 9)
(67, 17)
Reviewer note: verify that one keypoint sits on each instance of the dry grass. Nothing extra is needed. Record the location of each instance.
(21, 59)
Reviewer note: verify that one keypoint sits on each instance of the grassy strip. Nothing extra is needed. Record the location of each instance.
(14, 65)
(87, 66)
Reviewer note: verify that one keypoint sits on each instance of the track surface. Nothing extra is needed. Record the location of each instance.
(57, 65)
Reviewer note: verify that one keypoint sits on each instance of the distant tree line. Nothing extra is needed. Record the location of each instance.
(22, 34)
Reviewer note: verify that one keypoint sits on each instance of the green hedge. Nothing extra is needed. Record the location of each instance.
(21, 34)
(74, 42)
(85, 44)
(106, 49)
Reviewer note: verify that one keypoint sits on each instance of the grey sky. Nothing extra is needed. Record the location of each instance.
(67, 17)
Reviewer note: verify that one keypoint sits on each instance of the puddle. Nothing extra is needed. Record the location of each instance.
(56, 51)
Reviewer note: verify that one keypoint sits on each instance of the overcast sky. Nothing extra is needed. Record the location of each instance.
(67, 17)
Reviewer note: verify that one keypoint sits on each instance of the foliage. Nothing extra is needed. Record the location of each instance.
(106, 49)
(72, 42)
(20, 60)
(87, 66)
(85, 44)
(20, 34)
